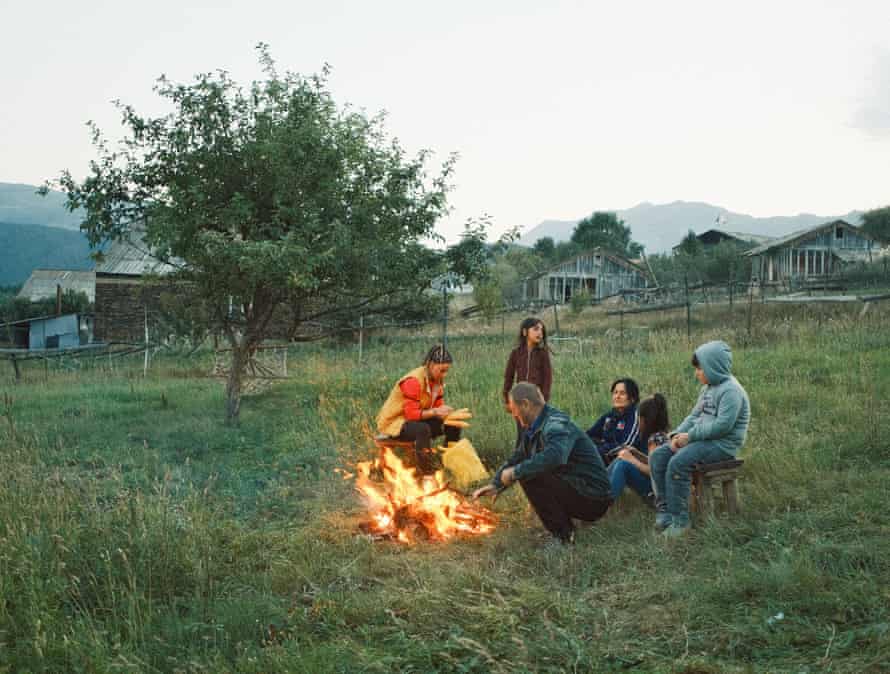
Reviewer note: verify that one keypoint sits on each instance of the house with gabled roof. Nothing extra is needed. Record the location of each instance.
(44, 283)
(599, 272)
(819, 251)
(713, 237)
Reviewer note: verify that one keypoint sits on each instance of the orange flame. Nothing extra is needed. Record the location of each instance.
(406, 506)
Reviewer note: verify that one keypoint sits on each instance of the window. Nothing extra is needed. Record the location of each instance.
(838, 232)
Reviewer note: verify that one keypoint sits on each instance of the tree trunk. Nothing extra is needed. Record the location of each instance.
(240, 356)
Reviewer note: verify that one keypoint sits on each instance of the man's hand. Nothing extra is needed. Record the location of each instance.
(679, 441)
(507, 477)
(487, 490)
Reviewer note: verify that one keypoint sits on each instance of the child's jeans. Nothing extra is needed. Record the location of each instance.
(623, 473)
(672, 475)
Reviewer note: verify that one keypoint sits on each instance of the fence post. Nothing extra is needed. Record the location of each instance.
(750, 304)
(556, 319)
(145, 362)
(688, 307)
(445, 315)
(731, 284)
(621, 324)
(361, 330)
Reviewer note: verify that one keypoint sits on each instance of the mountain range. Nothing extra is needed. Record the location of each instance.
(659, 227)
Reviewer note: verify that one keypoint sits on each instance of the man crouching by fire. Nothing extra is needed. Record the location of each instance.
(557, 465)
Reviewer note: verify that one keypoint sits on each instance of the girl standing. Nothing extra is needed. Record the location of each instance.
(529, 361)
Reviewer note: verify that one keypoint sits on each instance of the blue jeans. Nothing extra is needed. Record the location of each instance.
(672, 475)
(624, 473)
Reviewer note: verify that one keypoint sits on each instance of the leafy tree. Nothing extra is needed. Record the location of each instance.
(605, 230)
(567, 249)
(877, 223)
(268, 198)
(545, 248)
(690, 245)
(468, 260)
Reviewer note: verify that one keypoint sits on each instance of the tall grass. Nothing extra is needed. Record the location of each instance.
(138, 533)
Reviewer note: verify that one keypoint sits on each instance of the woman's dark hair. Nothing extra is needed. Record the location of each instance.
(695, 362)
(633, 391)
(653, 412)
(438, 354)
(527, 325)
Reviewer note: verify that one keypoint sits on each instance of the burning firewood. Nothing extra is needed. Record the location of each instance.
(408, 507)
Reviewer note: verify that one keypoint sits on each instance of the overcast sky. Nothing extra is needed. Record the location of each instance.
(555, 108)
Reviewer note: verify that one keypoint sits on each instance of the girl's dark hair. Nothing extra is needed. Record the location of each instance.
(654, 412)
(695, 362)
(633, 391)
(528, 324)
(438, 354)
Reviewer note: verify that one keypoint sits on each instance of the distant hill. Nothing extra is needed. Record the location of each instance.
(24, 247)
(661, 226)
(22, 205)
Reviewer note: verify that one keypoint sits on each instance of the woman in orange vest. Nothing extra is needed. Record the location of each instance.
(415, 408)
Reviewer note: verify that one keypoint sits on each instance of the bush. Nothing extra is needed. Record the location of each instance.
(579, 301)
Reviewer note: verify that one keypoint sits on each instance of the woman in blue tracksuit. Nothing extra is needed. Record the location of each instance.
(620, 425)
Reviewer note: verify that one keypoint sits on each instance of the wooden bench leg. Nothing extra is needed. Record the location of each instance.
(705, 498)
(730, 495)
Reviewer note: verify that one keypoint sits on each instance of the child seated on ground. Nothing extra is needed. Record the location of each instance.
(617, 427)
(631, 465)
(714, 431)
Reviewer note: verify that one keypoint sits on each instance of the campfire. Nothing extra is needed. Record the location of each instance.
(407, 507)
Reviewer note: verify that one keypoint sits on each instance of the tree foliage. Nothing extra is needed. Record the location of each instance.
(877, 223)
(605, 230)
(690, 245)
(267, 198)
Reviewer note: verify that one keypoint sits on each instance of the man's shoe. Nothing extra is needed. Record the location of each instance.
(663, 520)
(676, 531)
(649, 500)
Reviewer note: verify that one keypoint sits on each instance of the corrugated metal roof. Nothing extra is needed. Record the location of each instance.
(131, 256)
(42, 283)
(790, 238)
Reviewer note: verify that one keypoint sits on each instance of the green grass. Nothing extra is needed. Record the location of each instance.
(137, 533)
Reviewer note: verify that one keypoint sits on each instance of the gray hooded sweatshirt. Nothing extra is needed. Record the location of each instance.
(721, 414)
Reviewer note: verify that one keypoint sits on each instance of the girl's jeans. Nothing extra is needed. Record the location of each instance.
(672, 475)
(624, 473)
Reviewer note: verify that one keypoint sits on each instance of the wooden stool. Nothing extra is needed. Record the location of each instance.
(705, 475)
(382, 441)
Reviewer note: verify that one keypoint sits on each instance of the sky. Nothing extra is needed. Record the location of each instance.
(555, 109)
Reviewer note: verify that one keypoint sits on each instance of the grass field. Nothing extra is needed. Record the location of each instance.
(137, 533)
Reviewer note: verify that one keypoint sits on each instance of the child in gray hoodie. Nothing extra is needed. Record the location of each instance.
(714, 431)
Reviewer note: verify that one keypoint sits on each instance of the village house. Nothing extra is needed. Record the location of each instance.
(714, 237)
(599, 272)
(129, 285)
(44, 283)
(820, 251)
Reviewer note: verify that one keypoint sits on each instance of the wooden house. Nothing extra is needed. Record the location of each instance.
(129, 284)
(820, 251)
(714, 237)
(600, 272)
(44, 283)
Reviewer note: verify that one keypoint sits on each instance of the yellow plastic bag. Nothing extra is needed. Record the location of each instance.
(462, 462)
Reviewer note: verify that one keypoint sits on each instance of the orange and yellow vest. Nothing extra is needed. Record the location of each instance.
(391, 416)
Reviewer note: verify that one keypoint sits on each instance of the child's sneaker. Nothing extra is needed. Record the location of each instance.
(676, 531)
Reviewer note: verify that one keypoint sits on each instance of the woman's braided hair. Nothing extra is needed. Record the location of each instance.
(438, 354)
